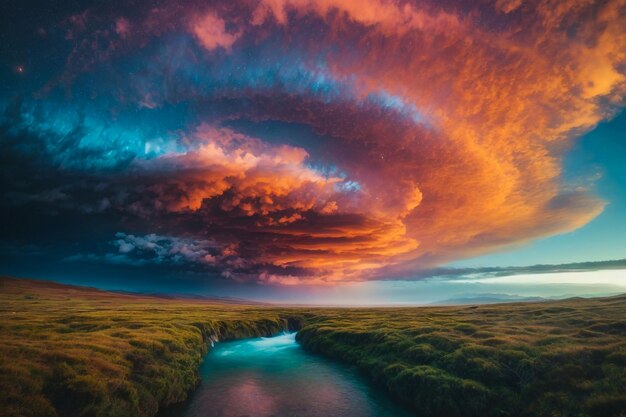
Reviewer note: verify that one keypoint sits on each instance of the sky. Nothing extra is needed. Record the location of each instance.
(315, 150)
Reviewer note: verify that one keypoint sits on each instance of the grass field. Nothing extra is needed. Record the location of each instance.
(70, 351)
(551, 359)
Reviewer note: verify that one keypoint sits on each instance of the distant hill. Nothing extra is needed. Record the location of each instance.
(56, 288)
(487, 299)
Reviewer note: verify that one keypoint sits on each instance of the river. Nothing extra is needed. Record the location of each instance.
(275, 377)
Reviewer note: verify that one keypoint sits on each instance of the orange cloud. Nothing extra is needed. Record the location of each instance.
(503, 103)
(211, 32)
(506, 103)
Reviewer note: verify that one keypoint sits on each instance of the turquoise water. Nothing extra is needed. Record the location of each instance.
(275, 377)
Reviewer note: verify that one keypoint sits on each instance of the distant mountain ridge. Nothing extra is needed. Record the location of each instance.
(43, 284)
(488, 299)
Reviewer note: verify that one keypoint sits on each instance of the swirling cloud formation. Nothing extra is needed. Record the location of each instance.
(316, 141)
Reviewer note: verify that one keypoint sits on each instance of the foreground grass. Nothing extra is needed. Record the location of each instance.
(70, 352)
(565, 358)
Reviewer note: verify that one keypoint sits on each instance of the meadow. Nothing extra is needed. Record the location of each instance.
(71, 351)
(547, 359)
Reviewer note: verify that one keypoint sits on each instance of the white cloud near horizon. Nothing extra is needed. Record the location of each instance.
(603, 277)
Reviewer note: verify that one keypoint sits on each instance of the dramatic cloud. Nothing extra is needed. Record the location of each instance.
(290, 141)
(155, 249)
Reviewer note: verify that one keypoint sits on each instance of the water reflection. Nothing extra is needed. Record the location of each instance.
(274, 377)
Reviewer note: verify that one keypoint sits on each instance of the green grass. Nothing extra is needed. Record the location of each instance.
(70, 351)
(553, 359)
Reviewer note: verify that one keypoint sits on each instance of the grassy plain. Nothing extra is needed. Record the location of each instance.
(70, 351)
(550, 359)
